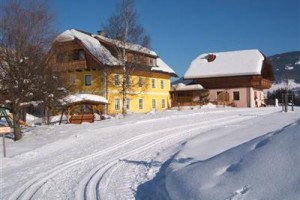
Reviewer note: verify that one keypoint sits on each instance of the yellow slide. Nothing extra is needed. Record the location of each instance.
(10, 115)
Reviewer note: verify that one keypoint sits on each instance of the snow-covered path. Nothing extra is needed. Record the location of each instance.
(110, 159)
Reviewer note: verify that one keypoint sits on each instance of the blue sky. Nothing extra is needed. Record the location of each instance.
(180, 30)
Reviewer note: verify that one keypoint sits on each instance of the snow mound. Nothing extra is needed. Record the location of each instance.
(263, 168)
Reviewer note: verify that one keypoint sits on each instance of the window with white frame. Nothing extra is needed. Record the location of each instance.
(87, 80)
(141, 82)
(127, 104)
(117, 104)
(81, 54)
(141, 104)
(153, 103)
(128, 80)
(162, 84)
(163, 103)
(152, 62)
(117, 79)
(153, 83)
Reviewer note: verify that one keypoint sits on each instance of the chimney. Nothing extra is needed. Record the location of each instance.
(100, 32)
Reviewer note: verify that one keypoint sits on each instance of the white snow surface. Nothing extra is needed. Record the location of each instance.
(220, 153)
(91, 44)
(231, 63)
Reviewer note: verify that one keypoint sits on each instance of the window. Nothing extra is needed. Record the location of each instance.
(163, 103)
(141, 104)
(153, 104)
(127, 104)
(236, 96)
(141, 82)
(87, 80)
(128, 80)
(81, 54)
(77, 54)
(162, 84)
(152, 62)
(117, 79)
(137, 58)
(145, 60)
(117, 104)
(153, 83)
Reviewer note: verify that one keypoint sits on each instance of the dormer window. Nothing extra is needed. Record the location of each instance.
(152, 62)
(210, 57)
(81, 54)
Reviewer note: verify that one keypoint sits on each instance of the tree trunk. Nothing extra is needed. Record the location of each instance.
(124, 91)
(47, 113)
(17, 128)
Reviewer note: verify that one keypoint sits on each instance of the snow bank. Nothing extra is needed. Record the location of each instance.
(264, 168)
(223, 153)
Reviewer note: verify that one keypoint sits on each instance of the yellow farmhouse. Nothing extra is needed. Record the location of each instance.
(90, 65)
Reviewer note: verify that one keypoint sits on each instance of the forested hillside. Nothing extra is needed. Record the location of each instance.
(286, 66)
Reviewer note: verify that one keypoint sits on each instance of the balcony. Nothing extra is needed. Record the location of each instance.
(70, 66)
(261, 83)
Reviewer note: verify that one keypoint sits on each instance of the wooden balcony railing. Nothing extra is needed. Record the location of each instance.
(261, 83)
(70, 66)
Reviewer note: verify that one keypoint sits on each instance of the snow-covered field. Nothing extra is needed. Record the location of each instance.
(221, 153)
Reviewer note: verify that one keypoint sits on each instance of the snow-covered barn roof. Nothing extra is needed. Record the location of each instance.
(91, 44)
(224, 64)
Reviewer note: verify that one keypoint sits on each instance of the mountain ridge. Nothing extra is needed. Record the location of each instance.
(286, 66)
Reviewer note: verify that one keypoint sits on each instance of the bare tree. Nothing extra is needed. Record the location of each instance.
(26, 34)
(126, 34)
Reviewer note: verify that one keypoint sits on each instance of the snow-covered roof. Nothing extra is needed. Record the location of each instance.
(91, 44)
(77, 98)
(232, 63)
(129, 46)
(183, 87)
(163, 67)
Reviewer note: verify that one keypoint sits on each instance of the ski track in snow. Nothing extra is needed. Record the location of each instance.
(98, 181)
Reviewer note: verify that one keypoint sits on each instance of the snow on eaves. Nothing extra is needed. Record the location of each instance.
(232, 63)
(183, 87)
(163, 67)
(77, 98)
(91, 44)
